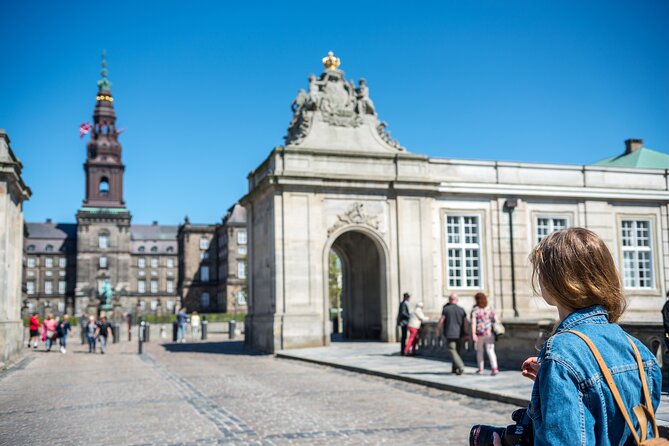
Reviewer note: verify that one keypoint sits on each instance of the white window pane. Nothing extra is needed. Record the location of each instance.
(154, 262)
(48, 287)
(241, 238)
(141, 286)
(241, 270)
(30, 287)
(154, 286)
(61, 286)
(31, 262)
(170, 263)
(141, 262)
(170, 286)
(637, 248)
(62, 262)
(48, 262)
(103, 241)
(204, 243)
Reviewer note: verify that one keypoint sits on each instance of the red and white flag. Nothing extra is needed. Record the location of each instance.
(84, 129)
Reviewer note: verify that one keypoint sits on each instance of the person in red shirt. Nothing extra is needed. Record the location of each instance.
(34, 326)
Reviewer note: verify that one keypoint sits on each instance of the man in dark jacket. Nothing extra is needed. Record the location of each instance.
(454, 323)
(403, 317)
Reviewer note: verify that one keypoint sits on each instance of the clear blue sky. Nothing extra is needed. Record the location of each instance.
(204, 88)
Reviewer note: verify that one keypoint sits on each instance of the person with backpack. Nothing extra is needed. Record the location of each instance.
(593, 383)
(62, 331)
(103, 332)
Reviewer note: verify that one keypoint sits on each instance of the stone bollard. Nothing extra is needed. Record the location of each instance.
(175, 331)
(232, 328)
(116, 332)
(163, 333)
(141, 329)
(205, 325)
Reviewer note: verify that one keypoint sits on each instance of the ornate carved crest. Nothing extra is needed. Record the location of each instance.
(339, 102)
(356, 215)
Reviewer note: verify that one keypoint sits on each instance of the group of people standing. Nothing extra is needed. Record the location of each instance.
(51, 329)
(456, 329)
(183, 322)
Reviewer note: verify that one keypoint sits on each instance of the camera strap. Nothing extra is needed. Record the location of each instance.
(644, 413)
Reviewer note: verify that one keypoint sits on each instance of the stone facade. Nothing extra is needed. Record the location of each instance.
(232, 268)
(13, 192)
(405, 222)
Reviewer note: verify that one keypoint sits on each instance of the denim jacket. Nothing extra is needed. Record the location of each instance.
(571, 403)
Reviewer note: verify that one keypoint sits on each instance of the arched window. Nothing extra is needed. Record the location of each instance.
(154, 249)
(49, 248)
(170, 249)
(204, 300)
(31, 248)
(141, 249)
(104, 187)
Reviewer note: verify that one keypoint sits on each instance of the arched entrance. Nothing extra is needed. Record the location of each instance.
(362, 285)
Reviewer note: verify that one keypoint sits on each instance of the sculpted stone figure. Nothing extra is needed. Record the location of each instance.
(365, 104)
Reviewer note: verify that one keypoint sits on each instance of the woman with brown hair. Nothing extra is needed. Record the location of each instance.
(482, 317)
(593, 383)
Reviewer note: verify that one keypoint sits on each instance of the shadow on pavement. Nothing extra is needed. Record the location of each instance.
(218, 348)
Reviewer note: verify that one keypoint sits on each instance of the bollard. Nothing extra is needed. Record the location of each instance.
(140, 336)
(204, 330)
(163, 335)
(147, 332)
(232, 327)
(116, 331)
(175, 330)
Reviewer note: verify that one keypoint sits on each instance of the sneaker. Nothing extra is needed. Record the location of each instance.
(62, 350)
(494, 372)
(35, 345)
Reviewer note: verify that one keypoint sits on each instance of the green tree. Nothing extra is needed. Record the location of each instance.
(334, 280)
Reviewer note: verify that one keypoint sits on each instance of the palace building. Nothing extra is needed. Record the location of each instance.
(404, 222)
(67, 264)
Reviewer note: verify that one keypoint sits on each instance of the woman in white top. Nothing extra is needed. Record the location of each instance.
(415, 321)
(195, 325)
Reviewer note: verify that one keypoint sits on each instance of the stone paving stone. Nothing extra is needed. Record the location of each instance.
(218, 393)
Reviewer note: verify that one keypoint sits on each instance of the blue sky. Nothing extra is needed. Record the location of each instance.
(204, 88)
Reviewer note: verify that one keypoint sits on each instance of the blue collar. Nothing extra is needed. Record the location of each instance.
(591, 315)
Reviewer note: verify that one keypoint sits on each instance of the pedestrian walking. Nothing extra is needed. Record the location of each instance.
(453, 322)
(482, 317)
(34, 326)
(403, 316)
(415, 321)
(63, 330)
(91, 329)
(575, 399)
(49, 331)
(103, 333)
(195, 325)
(182, 321)
(83, 322)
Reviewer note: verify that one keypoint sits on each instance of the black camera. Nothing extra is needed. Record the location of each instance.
(519, 434)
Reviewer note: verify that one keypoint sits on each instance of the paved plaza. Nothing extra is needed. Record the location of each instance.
(219, 393)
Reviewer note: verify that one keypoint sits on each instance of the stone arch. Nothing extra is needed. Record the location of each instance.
(364, 256)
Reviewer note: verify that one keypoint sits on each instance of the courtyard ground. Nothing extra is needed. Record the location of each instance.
(217, 392)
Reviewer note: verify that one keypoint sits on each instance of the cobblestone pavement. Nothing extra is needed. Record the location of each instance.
(218, 393)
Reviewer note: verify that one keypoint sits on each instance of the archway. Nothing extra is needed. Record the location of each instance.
(362, 267)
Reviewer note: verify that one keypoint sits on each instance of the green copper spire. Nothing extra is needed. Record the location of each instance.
(104, 84)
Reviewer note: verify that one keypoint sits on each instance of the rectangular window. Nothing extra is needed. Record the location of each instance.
(48, 273)
(154, 262)
(463, 247)
(548, 225)
(30, 287)
(142, 273)
(241, 238)
(31, 262)
(154, 305)
(170, 263)
(170, 286)
(154, 286)
(204, 243)
(241, 250)
(103, 241)
(204, 255)
(48, 287)
(204, 273)
(30, 273)
(241, 297)
(61, 286)
(48, 262)
(169, 305)
(61, 307)
(103, 262)
(61, 273)
(204, 300)
(637, 249)
(141, 262)
(154, 273)
(241, 270)
(141, 286)
(62, 262)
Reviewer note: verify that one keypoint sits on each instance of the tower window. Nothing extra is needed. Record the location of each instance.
(104, 187)
(103, 241)
(154, 249)
(31, 248)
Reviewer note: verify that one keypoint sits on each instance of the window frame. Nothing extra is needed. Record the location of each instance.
(551, 217)
(141, 286)
(480, 216)
(651, 249)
